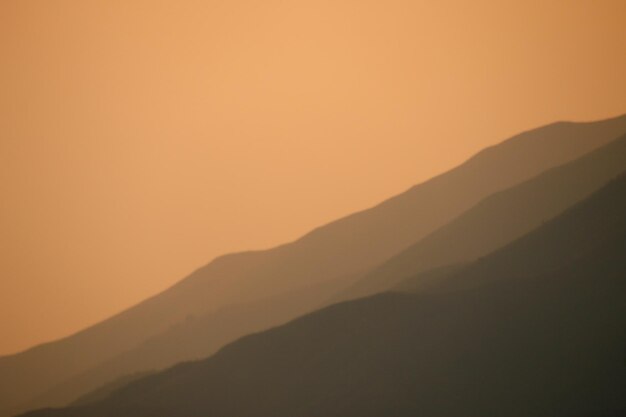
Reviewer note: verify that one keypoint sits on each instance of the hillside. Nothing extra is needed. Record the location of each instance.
(495, 221)
(499, 218)
(533, 329)
(335, 251)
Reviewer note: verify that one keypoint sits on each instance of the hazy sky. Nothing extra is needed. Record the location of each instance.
(141, 138)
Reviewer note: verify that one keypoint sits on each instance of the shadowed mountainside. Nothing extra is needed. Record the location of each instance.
(495, 221)
(199, 337)
(335, 251)
(535, 329)
(499, 219)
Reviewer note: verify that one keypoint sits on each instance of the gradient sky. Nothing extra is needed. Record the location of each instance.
(141, 138)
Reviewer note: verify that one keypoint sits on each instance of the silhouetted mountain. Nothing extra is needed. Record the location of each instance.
(499, 219)
(494, 222)
(335, 251)
(199, 337)
(105, 390)
(535, 329)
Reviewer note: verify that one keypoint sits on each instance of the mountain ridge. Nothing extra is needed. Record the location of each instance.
(391, 226)
(500, 218)
(542, 336)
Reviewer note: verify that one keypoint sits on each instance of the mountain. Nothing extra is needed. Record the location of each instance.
(198, 337)
(535, 329)
(495, 221)
(336, 251)
(499, 219)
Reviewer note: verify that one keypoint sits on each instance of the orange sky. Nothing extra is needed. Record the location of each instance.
(141, 138)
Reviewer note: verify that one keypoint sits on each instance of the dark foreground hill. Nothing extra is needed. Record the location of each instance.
(535, 329)
(45, 375)
(495, 221)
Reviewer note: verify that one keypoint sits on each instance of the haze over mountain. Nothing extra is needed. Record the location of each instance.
(535, 329)
(194, 338)
(490, 224)
(141, 139)
(499, 219)
(333, 252)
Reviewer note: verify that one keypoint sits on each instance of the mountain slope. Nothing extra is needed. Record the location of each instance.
(495, 221)
(534, 329)
(199, 337)
(337, 250)
(500, 218)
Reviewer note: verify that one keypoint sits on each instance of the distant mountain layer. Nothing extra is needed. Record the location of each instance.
(499, 218)
(535, 329)
(199, 337)
(332, 254)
